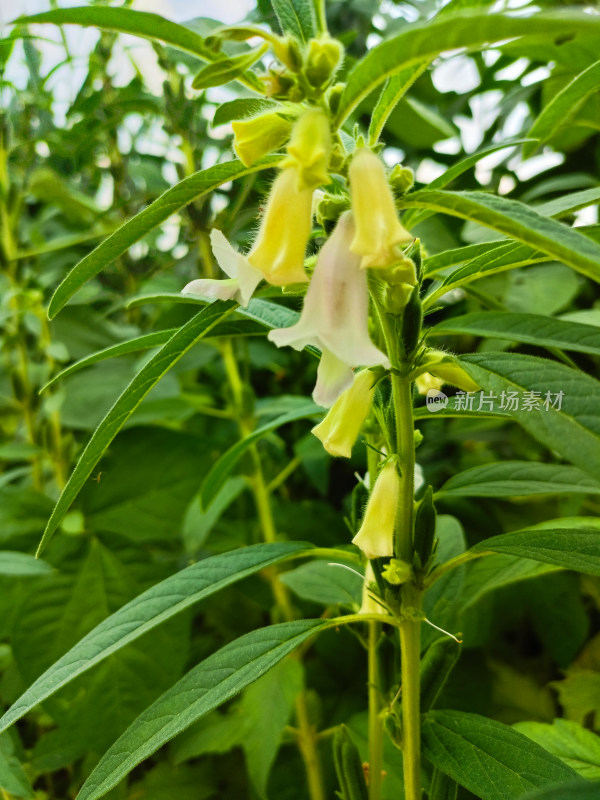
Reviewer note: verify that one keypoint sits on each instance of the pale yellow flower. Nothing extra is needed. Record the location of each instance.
(340, 428)
(376, 535)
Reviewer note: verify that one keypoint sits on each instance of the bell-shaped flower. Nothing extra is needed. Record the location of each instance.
(279, 248)
(243, 277)
(448, 370)
(378, 229)
(255, 137)
(335, 317)
(309, 149)
(376, 535)
(340, 428)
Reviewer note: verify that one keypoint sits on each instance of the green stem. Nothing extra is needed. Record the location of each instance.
(375, 720)
(321, 16)
(307, 735)
(410, 645)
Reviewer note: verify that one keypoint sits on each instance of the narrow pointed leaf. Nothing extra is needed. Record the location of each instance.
(563, 106)
(221, 469)
(296, 17)
(394, 90)
(129, 400)
(146, 611)
(517, 221)
(519, 478)
(157, 212)
(533, 329)
(207, 686)
(573, 430)
(577, 549)
(467, 28)
(227, 69)
(488, 758)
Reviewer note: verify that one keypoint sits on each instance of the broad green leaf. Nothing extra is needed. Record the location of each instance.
(576, 549)
(517, 479)
(533, 329)
(563, 106)
(497, 570)
(17, 564)
(490, 759)
(577, 790)
(23, 512)
(325, 582)
(413, 217)
(157, 212)
(394, 90)
(573, 430)
(207, 686)
(227, 69)
(129, 400)
(221, 469)
(146, 611)
(576, 746)
(517, 221)
(296, 17)
(426, 40)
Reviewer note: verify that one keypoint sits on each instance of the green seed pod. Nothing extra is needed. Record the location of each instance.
(425, 527)
(415, 253)
(348, 767)
(412, 319)
(436, 667)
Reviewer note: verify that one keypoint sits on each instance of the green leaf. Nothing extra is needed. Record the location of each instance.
(563, 107)
(13, 779)
(17, 564)
(296, 17)
(414, 217)
(221, 469)
(146, 611)
(325, 583)
(426, 40)
(490, 759)
(574, 429)
(517, 221)
(394, 90)
(126, 20)
(157, 212)
(535, 329)
(22, 512)
(497, 570)
(227, 69)
(576, 746)
(240, 109)
(129, 400)
(518, 479)
(579, 790)
(576, 549)
(207, 686)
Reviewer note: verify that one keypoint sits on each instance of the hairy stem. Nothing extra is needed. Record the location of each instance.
(375, 720)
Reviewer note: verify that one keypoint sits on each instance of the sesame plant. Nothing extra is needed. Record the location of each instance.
(347, 265)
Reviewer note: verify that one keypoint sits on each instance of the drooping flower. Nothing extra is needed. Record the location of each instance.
(335, 317)
(243, 277)
(279, 248)
(309, 149)
(448, 370)
(370, 605)
(340, 428)
(376, 535)
(378, 229)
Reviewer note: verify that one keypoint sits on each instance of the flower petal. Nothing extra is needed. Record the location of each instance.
(333, 378)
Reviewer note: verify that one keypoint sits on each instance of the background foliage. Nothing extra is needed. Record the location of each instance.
(72, 170)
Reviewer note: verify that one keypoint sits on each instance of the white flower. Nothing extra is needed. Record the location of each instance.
(243, 277)
(335, 317)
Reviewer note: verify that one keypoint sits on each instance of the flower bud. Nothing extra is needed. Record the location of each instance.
(376, 535)
(288, 52)
(378, 229)
(340, 428)
(309, 149)
(401, 179)
(450, 371)
(322, 60)
(253, 138)
(279, 248)
(397, 572)
(428, 382)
